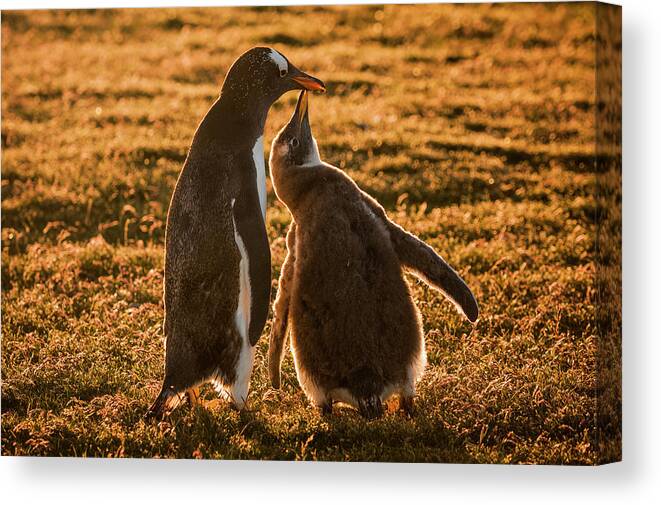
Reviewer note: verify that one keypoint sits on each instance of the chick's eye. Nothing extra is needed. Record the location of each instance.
(294, 142)
(283, 72)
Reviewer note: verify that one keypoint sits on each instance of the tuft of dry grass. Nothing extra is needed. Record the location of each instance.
(474, 125)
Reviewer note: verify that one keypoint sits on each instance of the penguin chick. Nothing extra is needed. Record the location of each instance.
(217, 258)
(356, 334)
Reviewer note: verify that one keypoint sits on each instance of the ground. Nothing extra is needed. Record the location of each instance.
(474, 125)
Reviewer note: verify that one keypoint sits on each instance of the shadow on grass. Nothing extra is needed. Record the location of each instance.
(113, 425)
(305, 435)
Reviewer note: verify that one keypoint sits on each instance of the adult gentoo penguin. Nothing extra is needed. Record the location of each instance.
(217, 257)
(356, 333)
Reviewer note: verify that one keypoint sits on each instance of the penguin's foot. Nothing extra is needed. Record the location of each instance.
(326, 409)
(370, 407)
(407, 405)
(212, 404)
(193, 395)
(195, 399)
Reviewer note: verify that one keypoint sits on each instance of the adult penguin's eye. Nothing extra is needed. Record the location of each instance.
(283, 72)
(294, 142)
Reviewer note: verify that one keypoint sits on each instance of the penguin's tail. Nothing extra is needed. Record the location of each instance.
(165, 403)
(370, 407)
(366, 383)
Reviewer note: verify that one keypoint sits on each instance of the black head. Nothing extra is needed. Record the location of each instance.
(294, 144)
(262, 75)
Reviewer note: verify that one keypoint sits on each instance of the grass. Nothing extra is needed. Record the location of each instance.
(474, 125)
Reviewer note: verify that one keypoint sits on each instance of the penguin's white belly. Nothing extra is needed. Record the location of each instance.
(242, 315)
(238, 391)
(260, 173)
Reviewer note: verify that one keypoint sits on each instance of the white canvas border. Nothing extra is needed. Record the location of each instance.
(69, 480)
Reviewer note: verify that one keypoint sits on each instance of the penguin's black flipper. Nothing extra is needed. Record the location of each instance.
(250, 227)
(281, 310)
(423, 261)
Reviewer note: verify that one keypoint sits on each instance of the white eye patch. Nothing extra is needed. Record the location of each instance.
(279, 60)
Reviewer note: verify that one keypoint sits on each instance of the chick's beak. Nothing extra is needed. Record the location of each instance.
(300, 120)
(307, 82)
(301, 112)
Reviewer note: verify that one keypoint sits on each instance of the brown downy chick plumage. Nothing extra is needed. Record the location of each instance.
(356, 334)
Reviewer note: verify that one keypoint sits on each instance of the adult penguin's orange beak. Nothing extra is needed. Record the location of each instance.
(307, 82)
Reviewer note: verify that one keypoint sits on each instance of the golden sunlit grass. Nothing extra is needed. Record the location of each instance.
(473, 125)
